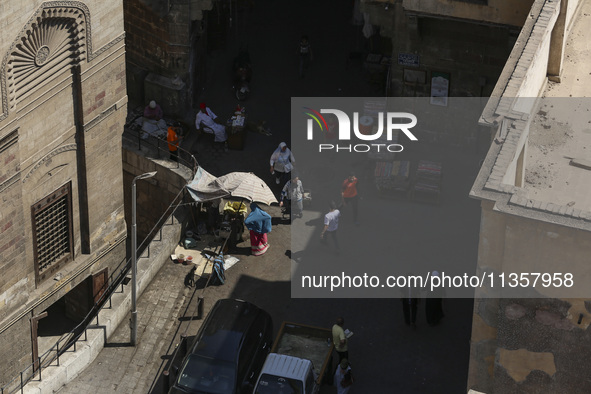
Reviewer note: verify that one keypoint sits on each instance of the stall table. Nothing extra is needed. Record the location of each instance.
(392, 179)
(427, 182)
(237, 131)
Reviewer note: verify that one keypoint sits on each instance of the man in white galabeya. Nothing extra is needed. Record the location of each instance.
(331, 225)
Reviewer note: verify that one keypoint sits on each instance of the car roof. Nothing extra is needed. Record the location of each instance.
(222, 332)
(286, 366)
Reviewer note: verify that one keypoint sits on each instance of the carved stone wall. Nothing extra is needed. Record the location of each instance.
(61, 119)
(56, 37)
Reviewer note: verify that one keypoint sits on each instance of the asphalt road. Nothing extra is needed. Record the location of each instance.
(386, 355)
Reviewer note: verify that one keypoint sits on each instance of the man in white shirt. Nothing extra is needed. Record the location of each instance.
(206, 117)
(331, 224)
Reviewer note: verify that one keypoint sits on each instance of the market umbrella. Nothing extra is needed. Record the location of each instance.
(204, 188)
(246, 185)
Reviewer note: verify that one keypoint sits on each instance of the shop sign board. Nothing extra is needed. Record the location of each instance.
(408, 59)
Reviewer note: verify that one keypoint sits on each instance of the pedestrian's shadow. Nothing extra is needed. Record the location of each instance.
(276, 220)
(315, 222)
(240, 251)
(309, 255)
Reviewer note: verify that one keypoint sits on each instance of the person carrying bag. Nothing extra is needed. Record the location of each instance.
(343, 377)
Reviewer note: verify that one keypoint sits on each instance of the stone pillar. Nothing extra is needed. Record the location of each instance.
(557, 44)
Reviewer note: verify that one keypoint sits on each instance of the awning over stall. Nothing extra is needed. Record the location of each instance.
(204, 187)
(246, 185)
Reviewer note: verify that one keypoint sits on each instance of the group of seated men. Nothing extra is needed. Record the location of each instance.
(154, 125)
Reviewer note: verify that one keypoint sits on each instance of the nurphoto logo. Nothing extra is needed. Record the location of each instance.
(394, 121)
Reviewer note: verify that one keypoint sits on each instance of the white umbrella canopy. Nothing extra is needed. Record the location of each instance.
(203, 187)
(248, 186)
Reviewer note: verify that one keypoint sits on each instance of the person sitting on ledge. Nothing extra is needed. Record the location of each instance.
(206, 118)
(153, 124)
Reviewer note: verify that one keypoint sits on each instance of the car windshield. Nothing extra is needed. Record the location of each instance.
(207, 375)
(271, 384)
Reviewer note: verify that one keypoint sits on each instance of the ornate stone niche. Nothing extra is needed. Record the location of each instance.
(54, 39)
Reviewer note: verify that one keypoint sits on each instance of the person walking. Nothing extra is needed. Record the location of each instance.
(331, 225)
(259, 224)
(434, 305)
(282, 162)
(410, 301)
(350, 195)
(340, 339)
(173, 141)
(343, 377)
(305, 53)
(292, 196)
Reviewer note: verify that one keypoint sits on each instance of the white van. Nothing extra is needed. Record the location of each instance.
(283, 374)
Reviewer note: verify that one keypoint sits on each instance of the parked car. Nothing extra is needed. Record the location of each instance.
(228, 352)
(287, 375)
(299, 360)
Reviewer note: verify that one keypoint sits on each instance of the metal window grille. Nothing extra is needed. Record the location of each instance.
(52, 223)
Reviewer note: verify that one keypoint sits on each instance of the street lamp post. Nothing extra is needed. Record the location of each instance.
(133, 338)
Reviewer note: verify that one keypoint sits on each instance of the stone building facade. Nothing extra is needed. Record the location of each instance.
(166, 42)
(454, 48)
(63, 108)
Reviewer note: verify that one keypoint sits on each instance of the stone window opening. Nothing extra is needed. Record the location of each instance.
(52, 232)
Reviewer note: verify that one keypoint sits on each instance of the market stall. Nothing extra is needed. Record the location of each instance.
(392, 179)
(225, 200)
(427, 182)
(237, 129)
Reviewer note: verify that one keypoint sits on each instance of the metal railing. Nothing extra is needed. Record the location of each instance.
(160, 145)
(182, 346)
(68, 340)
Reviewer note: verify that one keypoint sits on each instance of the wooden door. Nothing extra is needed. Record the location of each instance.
(100, 281)
(34, 343)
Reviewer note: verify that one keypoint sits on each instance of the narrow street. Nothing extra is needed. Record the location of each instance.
(386, 355)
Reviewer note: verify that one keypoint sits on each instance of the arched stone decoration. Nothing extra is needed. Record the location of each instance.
(48, 157)
(56, 37)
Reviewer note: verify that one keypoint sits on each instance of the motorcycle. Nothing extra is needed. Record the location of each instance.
(242, 75)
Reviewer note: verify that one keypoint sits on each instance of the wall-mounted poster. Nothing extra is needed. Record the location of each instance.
(439, 88)
(408, 59)
(414, 76)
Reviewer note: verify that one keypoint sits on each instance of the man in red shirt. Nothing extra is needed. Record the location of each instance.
(350, 194)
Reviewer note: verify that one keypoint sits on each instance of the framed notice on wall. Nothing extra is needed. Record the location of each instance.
(414, 76)
(439, 88)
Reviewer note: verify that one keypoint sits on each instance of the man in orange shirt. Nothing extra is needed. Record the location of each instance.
(350, 195)
(173, 142)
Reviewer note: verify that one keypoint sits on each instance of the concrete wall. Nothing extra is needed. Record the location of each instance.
(536, 58)
(535, 344)
(60, 125)
(530, 344)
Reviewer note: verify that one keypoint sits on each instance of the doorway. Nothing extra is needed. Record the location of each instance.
(62, 317)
